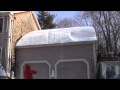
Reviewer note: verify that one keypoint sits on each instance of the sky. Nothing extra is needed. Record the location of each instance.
(63, 14)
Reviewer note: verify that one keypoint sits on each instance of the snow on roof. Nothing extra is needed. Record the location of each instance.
(58, 36)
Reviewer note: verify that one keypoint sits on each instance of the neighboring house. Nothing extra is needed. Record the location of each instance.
(13, 25)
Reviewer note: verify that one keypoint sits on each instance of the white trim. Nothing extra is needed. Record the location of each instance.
(1, 53)
(13, 12)
(72, 60)
(36, 20)
(22, 65)
(3, 25)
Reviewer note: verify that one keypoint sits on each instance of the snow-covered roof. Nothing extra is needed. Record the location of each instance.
(58, 36)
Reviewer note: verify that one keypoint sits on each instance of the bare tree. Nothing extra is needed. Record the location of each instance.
(82, 19)
(66, 22)
(106, 24)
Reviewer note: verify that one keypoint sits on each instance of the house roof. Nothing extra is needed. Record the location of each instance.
(58, 36)
(11, 11)
(14, 12)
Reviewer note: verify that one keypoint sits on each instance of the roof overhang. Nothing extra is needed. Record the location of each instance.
(56, 44)
(36, 20)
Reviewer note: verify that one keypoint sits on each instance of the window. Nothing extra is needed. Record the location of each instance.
(0, 53)
(1, 24)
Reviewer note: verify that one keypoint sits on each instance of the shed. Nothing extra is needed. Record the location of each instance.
(108, 70)
(65, 53)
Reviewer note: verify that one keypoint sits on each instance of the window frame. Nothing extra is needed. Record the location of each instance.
(2, 25)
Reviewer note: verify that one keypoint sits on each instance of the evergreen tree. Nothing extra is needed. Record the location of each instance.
(45, 20)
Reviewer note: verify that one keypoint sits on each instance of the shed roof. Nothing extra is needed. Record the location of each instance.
(58, 36)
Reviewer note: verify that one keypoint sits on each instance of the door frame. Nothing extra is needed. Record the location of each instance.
(73, 60)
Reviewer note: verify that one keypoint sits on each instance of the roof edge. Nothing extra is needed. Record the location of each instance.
(12, 12)
(36, 21)
(56, 44)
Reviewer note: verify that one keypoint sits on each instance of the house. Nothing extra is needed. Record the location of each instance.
(14, 25)
(65, 53)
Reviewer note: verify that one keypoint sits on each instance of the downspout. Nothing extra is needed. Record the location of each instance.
(11, 52)
(8, 45)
